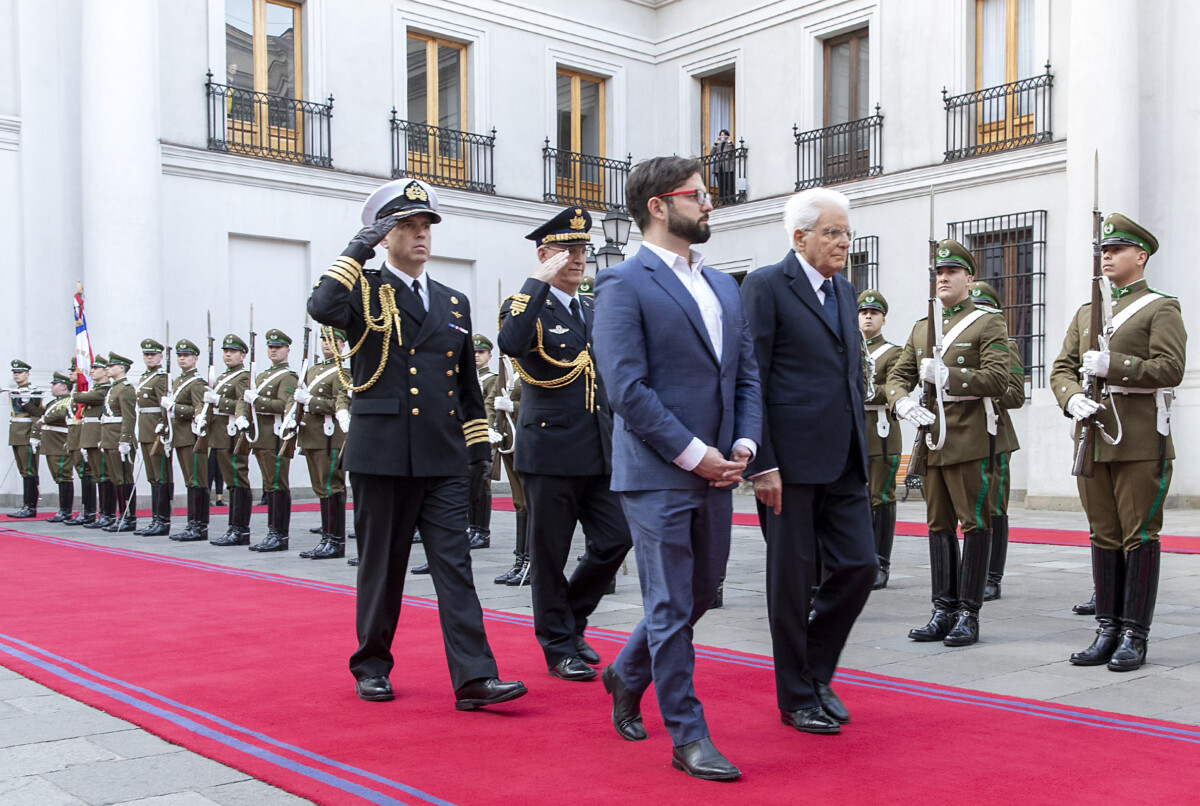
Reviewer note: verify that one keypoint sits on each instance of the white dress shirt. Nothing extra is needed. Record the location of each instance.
(422, 279)
(815, 277)
(565, 299)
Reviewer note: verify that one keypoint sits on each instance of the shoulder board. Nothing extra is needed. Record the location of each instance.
(1162, 293)
(922, 319)
(996, 311)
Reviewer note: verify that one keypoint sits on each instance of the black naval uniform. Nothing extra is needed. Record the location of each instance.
(564, 455)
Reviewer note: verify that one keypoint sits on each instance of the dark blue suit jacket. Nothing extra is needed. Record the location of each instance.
(812, 377)
(664, 382)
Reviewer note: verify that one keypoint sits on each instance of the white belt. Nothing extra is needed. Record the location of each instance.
(882, 426)
(150, 409)
(992, 417)
(1131, 390)
(58, 429)
(880, 409)
(1163, 399)
(91, 420)
(959, 398)
(110, 419)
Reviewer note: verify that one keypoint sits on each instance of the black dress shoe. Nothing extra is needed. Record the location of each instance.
(374, 689)
(585, 651)
(59, 517)
(122, 525)
(157, 529)
(965, 631)
(352, 561)
(937, 629)
(701, 759)
(831, 703)
(487, 691)
(480, 540)
(316, 530)
(810, 720)
(272, 542)
(573, 669)
(232, 538)
(627, 706)
(327, 549)
(100, 522)
(991, 591)
(1087, 608)
(23, 513)
(420, 570)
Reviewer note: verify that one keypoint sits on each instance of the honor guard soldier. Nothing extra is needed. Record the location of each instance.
(222, 402)
(92, 401)
(974, 369)
(883, 430)
(1004, 443)
(54, 431)
(418, 424)
(564, 451)
(151, 388)
(322, 435)
(26, 407)
(268, 399)
(87, 483)
(182, 405)
(479, 513)
(1140, 361)
(504, 411)
(118, 439)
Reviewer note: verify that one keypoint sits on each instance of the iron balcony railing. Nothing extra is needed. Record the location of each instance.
(999, 118)
(862, 265)
(839, 153)
(443, 157)
(261, 125)
(725, 174)
(584, 180)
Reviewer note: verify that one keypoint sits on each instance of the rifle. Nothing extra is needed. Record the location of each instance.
(291, 421)
(240, 447)
(167, 432)
(931, 394)
(502, 384)
(200, 422)
(1085, 441)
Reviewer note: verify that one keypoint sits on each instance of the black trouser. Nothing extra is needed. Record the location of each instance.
(386, 511)
(555, 505)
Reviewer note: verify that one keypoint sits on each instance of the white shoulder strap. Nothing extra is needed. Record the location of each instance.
(1133, 308)
(962, 325)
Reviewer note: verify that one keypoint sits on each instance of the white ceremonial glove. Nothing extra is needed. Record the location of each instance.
(1095, 363)
(241, 424)
(249, 396)
(935, 372)
(908, 409)
(494, 436)
(160, 428)
(343, 419)
(168, 401)
(289, 423)
(303, 396)
(502, 403)
(124, 448)
(34, 442)
(1081, 406)
(211, 397)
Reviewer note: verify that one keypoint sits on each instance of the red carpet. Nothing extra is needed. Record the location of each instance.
(250, 669)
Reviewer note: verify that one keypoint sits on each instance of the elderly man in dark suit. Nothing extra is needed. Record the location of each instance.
(675, 352)
(810, 475)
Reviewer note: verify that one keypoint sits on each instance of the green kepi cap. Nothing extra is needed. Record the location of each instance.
(185, 347)
(1119, 230)
(588, 285)
(232, 342)
(151, 346)
(338, 335)
(872, 300)
(277, 338)
(951, 253)
(20, 366)
(482, 343)
(115, 359)
(62, 377)
(983, 294)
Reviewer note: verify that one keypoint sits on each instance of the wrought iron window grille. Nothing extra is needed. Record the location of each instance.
(862, 268)
(258, 124)
(443, 157)
(597, 183)
(839, 153)
(1000, 118)
(724, 173)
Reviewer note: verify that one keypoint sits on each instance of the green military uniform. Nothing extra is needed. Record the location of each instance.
(479, 507)
(976, 356)
(151, 388)
(118, 432)
(883, 438)
(504, 427)
(87, 484)
(1145, 357)
(321, 438)
(228, 389)
(59, 458)
(273, 391)
(25, 407)
(182, 406)
(92, 401)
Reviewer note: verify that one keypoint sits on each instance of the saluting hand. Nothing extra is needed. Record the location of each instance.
(549, 270)
(369, 236)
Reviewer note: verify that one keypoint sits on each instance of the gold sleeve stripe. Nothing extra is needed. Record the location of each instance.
(349, 263)
(349, 271)
(339, 278)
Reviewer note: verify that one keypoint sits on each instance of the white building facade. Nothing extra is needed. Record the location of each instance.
(185, 156)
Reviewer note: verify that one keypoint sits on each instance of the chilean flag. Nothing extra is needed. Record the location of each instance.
(83, 344)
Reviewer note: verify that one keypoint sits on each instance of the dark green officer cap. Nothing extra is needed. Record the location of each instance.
(982, 292)
(151, 346)
(588, 285)
(232, 342)
(185, 347)
(277, 338)
(99, 359)
(872, 300)
(570, 226)
(20, 366)
(338, 335)
(62, 377)
(115, 358)
(1119, 230)
(951, 253)
(482, 343)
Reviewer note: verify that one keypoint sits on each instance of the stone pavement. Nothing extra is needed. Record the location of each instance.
(54, 750)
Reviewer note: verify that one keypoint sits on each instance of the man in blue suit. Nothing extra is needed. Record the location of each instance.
(810, 474)
(675, 351)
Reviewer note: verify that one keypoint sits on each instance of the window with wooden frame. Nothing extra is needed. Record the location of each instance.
(846, 99)
(437, 104)
(1004, 55)
(717, 111)
(581, 131)
(264, 69)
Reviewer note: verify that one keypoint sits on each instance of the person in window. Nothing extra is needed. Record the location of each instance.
(723, 166)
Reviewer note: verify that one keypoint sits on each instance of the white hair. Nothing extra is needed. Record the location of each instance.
(803, 210)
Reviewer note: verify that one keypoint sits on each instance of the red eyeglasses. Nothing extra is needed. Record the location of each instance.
(702, 197)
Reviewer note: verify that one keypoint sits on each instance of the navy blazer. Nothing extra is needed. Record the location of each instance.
(812, 377)
(664, 382)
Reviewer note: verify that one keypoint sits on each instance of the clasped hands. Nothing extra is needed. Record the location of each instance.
(722, 472)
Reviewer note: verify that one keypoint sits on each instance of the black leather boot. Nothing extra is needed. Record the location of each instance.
(238, 533)
(161, 523)
(202, 508)
(28, 499)
(154, 493)
(943, 573)
(884, 520)
(1108, 574)
(66, 503)
(1087, 608)
(991, 591)
(971, 581)
(333, 546)
(107, 501)
(279, 516)
(127, 507)
(518, 564)
(1142, 566)
(324, 529)
(190, 529)
(87, 492)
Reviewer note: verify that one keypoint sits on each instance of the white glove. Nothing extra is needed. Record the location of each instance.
(494, 436)
(249, 396)
(502, 403)
(1081, 406)
(211, 397)
(1095, 363)
(303, 396)
(124, 448)
(907, 409)
(160, 428)
(168, 401)
(935, 372)
(241, 424)
(343, 419)
(289, 423)
(34, 442)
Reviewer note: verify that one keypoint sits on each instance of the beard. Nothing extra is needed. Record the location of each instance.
(694, 232)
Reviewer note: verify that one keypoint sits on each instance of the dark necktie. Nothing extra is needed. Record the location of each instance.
(831, 305)
(416, 287)
(576, 312)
